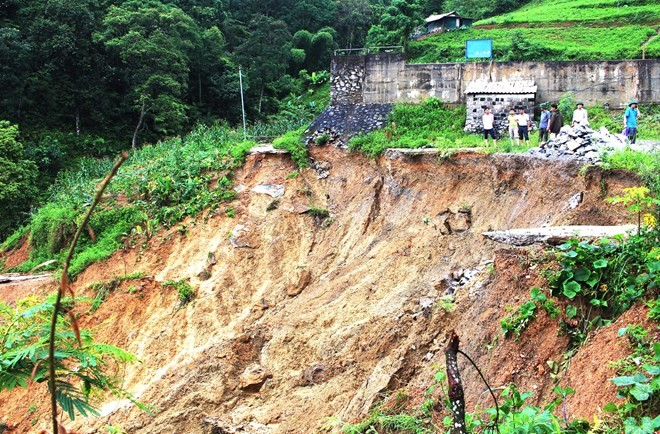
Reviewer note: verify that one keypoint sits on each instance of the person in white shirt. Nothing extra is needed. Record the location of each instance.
(523, 126)
(488, 120)
(580, 116)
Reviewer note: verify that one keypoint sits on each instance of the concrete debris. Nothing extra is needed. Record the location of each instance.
(555, 235)
(458, 278)
(581, 143)
(267, 148)
(273, 190)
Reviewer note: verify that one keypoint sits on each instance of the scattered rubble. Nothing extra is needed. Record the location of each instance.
(322, 168)
(326, 136)
(582, 143)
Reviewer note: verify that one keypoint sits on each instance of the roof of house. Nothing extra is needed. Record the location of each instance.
(451, 14)
(517, 86)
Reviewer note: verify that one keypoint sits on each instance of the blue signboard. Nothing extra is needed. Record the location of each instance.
(479, 48)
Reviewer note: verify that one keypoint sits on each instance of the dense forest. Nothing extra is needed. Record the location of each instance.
(92, 77)
(141, 69)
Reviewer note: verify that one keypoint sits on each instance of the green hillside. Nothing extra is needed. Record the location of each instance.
(555, 30)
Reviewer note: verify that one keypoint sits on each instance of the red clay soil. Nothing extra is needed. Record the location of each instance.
(339, 313)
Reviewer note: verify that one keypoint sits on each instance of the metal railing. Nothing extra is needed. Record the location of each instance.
(369, 50)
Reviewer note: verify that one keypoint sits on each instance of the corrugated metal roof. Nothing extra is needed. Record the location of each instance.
(432, 18)
(520, 86)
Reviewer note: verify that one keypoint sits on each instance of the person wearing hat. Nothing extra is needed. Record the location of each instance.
(556, 121)
(543, 123)
(630, 117)
(580, 115)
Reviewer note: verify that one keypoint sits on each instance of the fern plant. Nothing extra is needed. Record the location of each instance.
(81, 371)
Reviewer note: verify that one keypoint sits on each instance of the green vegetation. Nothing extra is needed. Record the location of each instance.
(430, 124)
(159, 184)
(598, 12)
(103, 289)
(293, 142)
(571, 43)
(84, 372)
(17, 178)
(185, 292)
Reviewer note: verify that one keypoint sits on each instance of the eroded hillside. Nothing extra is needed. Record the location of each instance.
(301, 317)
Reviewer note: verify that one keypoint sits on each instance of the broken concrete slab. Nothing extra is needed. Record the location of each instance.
(267, 149)
(555, 235)
(273, 190)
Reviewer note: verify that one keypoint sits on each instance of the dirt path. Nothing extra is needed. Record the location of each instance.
(648, 41)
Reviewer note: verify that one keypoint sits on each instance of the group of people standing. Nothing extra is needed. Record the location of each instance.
(550, 123)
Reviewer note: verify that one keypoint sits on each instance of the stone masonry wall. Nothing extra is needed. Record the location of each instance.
(389, 79)
(500, 104)
(347, 81)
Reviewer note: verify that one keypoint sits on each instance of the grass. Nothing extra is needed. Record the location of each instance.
(571, 43)
(293, 142)
(431, 124)
(158, 185)
(599, 11)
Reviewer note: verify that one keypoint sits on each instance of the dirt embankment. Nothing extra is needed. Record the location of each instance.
(299, 318)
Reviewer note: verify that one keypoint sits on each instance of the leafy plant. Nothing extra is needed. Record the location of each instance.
(82, 371)
(518, 321)
(183, 289)
(605, 278)
(639, 203)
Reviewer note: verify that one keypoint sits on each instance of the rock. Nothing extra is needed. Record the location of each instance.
(273, 190)
(461, 221)
(299, 283)
(575, 200)
(241, 236)
(254, 377)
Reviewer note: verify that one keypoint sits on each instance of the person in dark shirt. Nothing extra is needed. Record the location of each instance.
(556, 121)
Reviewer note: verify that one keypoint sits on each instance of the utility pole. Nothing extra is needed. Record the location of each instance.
(240, 79)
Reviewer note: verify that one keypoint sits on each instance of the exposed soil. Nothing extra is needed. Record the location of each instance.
(338, 312)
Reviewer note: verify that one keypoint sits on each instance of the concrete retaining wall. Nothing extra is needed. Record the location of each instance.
(388, 78)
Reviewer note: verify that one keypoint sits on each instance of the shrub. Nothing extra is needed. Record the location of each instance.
(293, 142)
(183, 289)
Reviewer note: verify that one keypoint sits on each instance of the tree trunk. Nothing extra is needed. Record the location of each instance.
(199, 88)
(137, 128)
(77, 122)
(456, 396)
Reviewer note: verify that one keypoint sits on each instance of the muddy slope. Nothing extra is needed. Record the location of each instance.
(299, 318)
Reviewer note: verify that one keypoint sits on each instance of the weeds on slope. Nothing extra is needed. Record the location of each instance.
(159, 185)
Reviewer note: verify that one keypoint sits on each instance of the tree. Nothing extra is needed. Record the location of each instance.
(154, 42)
(354, 17)
(262, 53)
(311, 15)
(396, 24)
(64, 64)
(18, 177)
